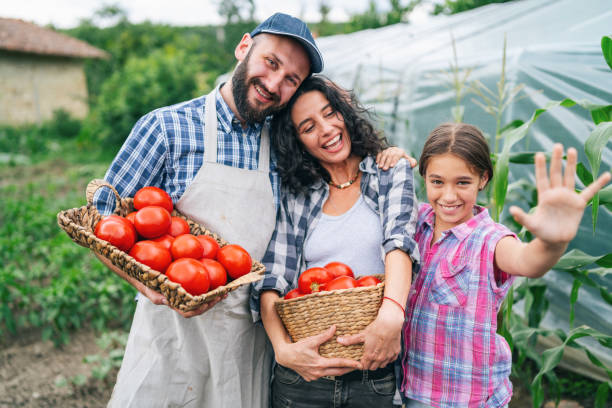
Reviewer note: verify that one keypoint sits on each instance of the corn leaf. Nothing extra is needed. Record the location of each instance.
(601, 398)
(523, 158)
(552, 356)
(606, 48)
(582, 276)
(573, 299)
(602, 115)
(512, 135)
(550, 359)
(596, 361)
(512, 125)
(575, 259)
(593, 147)
(537, 393)
(584, 175)
(586, 331)
(605, 197)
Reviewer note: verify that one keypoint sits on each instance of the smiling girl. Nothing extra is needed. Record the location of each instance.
(453, 356)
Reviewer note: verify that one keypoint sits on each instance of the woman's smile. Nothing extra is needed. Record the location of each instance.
(334, 145)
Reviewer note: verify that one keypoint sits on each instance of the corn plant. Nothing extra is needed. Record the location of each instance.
(457, 80)
(496, 102)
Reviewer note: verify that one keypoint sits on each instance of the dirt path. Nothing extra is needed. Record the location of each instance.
(30, 369)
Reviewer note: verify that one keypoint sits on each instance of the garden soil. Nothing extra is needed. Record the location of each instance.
(32, 373)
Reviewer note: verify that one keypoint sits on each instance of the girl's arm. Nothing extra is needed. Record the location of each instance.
(303, 356)
(555, 220)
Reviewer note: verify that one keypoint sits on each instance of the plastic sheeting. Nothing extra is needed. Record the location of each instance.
(553, 47)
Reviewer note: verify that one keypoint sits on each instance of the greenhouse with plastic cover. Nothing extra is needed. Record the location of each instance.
(545, 56)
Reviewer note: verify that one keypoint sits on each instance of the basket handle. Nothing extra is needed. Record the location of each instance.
(94, 185)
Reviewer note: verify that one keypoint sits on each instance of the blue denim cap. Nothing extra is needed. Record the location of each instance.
(283, 24)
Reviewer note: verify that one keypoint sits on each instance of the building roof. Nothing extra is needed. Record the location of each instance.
(21, 36)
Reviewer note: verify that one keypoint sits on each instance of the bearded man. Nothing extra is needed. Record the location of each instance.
(212, 155)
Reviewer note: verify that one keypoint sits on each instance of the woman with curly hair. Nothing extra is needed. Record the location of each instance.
(336, 205)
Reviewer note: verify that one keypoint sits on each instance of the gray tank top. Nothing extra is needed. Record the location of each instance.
(354, 238)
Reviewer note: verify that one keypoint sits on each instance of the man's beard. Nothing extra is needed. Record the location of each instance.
(240, 88)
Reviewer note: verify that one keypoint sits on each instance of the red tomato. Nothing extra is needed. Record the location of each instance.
(178, 227)
(339, 269)
(131, 216)
(216, 272)
(294, 293)
(190, 274)
(341, 282)
(186, 246)
(235, 259)
(152, 221)
(152, 254)
(148, 196)
(368, 281)
(311, 279)
(116, 230)
(211, 246)
(165, 241)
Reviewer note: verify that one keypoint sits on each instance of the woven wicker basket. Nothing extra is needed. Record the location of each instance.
(79, 224)
(351, 310)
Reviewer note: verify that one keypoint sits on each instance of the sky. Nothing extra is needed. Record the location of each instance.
(68, 13)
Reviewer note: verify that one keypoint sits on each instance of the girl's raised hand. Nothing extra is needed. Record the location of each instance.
(560, 209)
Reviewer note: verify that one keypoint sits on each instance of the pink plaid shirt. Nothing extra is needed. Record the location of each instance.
(452, 355)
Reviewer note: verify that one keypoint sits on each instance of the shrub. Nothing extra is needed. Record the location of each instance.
(144, 84)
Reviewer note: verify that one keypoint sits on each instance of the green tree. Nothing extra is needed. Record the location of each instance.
(399, 13)
(371, 18)
(375, 18)
(236, 11)
(457, 6)
(145, 83)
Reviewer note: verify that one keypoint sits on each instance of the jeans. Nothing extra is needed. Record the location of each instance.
(289, 389)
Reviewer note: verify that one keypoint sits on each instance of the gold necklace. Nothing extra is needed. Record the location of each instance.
(344, 185)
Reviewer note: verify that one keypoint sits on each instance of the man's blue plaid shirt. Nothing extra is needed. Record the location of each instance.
(166, 149)
(389, 193)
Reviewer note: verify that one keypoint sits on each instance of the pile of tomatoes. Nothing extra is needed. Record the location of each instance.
(154, 237)
(334, 276)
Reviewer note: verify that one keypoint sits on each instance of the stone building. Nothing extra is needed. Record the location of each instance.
(41, 71)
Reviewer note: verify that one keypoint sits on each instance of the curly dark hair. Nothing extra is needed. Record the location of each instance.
(297, 168)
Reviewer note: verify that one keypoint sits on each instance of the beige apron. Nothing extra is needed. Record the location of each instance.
(221, 358)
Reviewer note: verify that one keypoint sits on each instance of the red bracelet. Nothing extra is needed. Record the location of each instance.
(397, 303)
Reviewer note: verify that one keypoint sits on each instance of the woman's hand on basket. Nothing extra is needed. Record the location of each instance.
(303, 357)
(382, 338)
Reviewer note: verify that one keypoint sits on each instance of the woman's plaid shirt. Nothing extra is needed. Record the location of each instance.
(389, 193)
